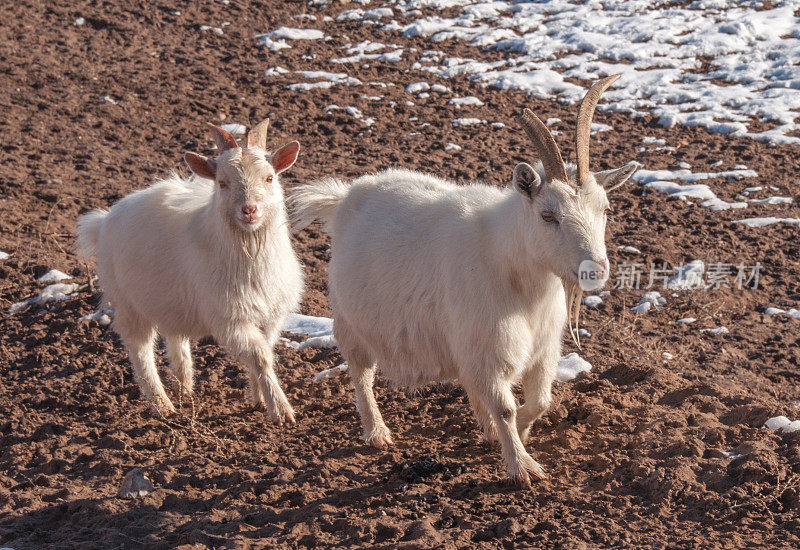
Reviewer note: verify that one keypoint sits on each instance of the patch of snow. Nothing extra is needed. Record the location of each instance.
(327, 374)
(102, 316)
(54, 276)
(686, 320)
(570, 366)
(452, 147)
(289, 33)
(793, 426)
(378, 13)
(417, 87)
(777, 311)
(79, 21)
(464, 101)
(328, 80)
(667, 355)
(308, 325)
(319, 342)
(467, 121)
(235, 129)
(777, 423)
(597, 128)
(718, 330)
(276, 40)
(4, 255)
(52, 293)
(592, 301)
(762, 222)
(657, 49)
(275, 71)
(688, 276)
(773, 200)
(216, 30)
(631, 249)
(651, 300)
(367, 51)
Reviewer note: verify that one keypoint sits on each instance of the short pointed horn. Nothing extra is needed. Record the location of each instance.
(222, 138)
(584, 127)
(257, 136)
(545, 145)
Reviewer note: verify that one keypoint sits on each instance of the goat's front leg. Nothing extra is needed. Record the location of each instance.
(537, 384)
(255, 349)
(501, 406)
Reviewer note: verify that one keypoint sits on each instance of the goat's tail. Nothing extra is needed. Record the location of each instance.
(317, 200)
(89, 226)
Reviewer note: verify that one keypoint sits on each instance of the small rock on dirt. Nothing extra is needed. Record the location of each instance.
(135, 484)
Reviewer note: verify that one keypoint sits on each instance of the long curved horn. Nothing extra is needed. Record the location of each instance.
(584, 127)
(257, 136)
(545, 145)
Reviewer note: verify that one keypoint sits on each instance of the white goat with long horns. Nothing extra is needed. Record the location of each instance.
(434, 281)
(200, 256)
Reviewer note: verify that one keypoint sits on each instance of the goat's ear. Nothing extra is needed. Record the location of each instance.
(222, 138)
(611, 179)
(526, 180)
(202, 166)
(284, 157)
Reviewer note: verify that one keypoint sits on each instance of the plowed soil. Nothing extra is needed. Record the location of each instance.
(641, 452)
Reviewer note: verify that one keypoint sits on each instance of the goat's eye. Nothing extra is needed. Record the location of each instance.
(548, 217)
(223, 184)
(608, 211)
(268, 180)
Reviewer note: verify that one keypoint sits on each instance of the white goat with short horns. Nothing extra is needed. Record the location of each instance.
(199, 256)
(433, 281)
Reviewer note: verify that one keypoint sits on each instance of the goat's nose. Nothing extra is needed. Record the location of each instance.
(249, 210)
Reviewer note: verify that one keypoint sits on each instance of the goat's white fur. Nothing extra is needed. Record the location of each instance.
(433, 281)
(177, 258)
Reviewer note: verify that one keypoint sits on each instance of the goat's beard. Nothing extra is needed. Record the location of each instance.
(249, 241)
(573, 293)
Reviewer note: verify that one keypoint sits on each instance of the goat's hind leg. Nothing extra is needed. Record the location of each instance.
(179, 352)
(139, 338)
(484, 419)
(537, 384)
(362, 373)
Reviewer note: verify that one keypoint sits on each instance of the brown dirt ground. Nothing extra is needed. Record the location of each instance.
(636, 450)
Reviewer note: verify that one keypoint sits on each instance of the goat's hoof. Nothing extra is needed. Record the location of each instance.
(162, 407)
(280, 414)
(521, 480)
(523, 474)
(380, 439)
